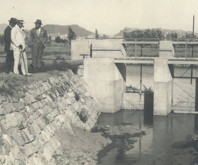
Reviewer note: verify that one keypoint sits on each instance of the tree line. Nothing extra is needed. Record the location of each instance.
(70, 36)
(155, 35)
(148, 34)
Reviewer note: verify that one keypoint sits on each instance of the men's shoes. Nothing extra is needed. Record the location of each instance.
(28, 74)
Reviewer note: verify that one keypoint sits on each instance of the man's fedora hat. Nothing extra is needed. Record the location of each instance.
(38, 21)
(13, 20)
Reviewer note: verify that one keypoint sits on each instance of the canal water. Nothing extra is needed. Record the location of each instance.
(165, 142)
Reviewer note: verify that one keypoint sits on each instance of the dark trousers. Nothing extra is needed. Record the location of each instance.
(37, 54)
(9, 61)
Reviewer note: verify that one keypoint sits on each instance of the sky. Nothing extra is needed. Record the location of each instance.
(107, 16)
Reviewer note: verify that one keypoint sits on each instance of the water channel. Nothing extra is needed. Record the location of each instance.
(167, 140)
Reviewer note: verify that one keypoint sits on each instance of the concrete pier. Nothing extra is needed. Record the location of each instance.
(166, 49)
(106, 82)
(163, 79)
(162, 87)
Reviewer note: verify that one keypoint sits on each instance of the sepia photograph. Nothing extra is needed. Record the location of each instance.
(99, 82)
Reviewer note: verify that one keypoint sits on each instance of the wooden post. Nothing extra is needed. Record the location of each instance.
(192, 49)
(191, 75)
(186, 50)
(171, 68)
(196, 95)
(141, 74)
(91, 50)
(135, 48)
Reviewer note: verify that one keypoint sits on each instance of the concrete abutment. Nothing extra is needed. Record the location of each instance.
(106, 82)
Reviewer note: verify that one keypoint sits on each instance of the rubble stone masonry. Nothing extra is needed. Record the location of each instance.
(42, 121)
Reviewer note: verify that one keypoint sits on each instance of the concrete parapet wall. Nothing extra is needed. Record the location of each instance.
(79, 47)
(30, 117)
(101, 69)
(105, 82)
(108, 44)
(83, 47)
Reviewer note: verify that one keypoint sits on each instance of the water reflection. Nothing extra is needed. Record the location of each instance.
(156, 146)
(196, 123)
(148, 108)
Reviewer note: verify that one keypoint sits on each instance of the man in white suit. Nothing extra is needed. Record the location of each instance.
(18, 46)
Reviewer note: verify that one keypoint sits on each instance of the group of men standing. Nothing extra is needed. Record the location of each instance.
(15, 46)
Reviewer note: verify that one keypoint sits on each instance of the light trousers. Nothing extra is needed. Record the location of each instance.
(20, 59)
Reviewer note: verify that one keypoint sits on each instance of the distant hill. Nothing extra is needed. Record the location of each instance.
(126, 29)
(58, 29)
(2, 28)
(63, 29)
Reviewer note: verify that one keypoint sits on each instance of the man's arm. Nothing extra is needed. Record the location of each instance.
(44, 38)
(13, 37)
(31, 37)
(7, 35)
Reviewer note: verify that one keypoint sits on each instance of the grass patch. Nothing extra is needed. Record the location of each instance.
(60, 66)
(53, 49)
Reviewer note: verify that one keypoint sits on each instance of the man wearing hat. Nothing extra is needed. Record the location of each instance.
(7, 38)
(38, 39)
(18, 46)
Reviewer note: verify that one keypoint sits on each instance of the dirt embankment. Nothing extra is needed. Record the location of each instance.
(47, 121)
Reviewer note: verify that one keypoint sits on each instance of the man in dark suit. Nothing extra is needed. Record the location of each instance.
(38, 39)
(7, 37)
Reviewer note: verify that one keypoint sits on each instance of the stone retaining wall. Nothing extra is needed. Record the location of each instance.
(31, 115)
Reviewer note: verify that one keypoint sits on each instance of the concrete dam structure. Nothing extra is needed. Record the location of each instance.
(105, 72)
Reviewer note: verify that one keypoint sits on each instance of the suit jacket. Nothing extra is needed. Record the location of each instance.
(7, 38)
(17, 37)
(36, 40)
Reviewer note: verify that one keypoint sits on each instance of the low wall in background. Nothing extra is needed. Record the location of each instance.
(83, 47)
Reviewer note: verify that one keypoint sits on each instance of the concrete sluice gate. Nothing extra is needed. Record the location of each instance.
(105, 73)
